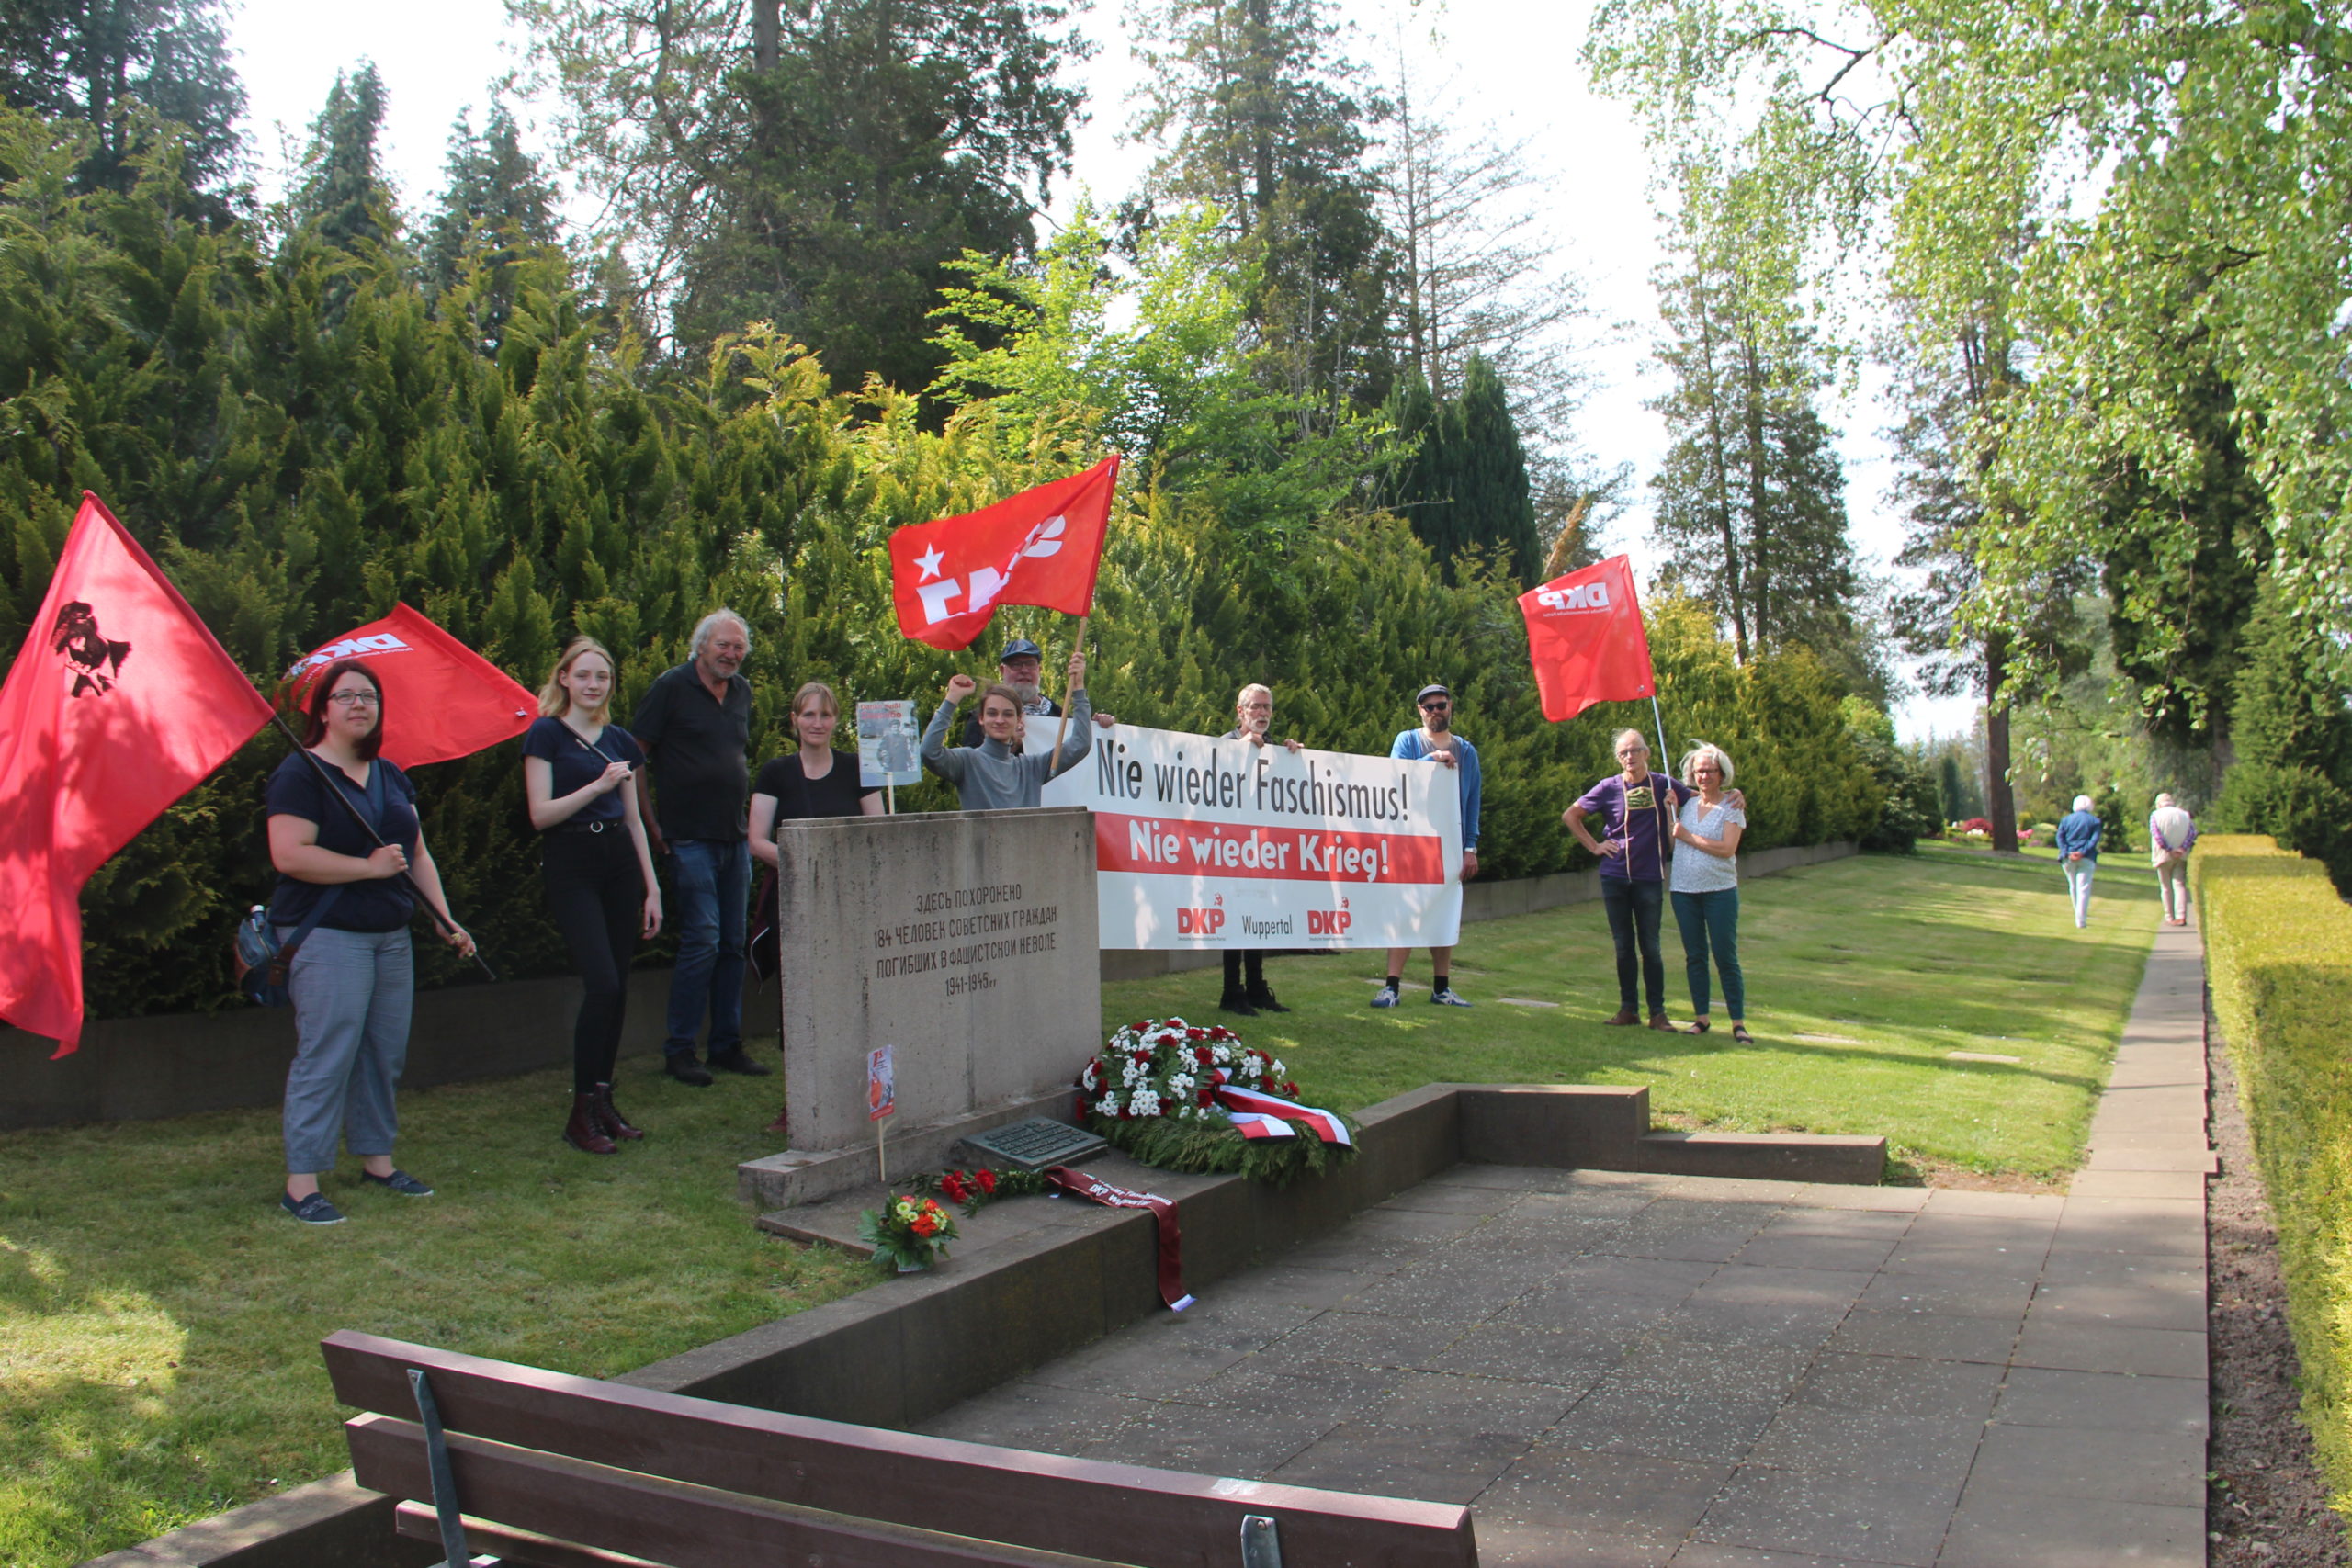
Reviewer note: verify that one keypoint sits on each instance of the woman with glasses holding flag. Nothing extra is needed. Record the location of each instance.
(349, 872)
(580, 780)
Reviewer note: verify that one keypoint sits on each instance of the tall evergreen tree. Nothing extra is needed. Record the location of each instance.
(815, 165)
(1259, 114)
(342, 200)
(2292, 727)
(102, 62)
(497, 203)
(1465, 486)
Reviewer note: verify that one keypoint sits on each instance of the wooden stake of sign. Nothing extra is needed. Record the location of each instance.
(1062, 728)
(881, 1163)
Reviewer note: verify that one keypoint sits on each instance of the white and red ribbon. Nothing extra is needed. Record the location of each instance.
(1256, 1104)
(1163, 1211)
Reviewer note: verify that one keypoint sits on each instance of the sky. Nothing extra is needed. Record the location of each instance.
(1513, 64)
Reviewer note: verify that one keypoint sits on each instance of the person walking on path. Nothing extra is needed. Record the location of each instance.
(352, 980)
(1435, 741)
(1253, 719)
(2172, 833)
(2077, 842)
(994, 775)
(580, 784)
(695, 724)
(1705, 887)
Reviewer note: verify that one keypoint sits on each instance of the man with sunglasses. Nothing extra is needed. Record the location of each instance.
(1435, 741)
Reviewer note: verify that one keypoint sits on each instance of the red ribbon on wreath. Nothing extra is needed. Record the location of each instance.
(1164, 1212)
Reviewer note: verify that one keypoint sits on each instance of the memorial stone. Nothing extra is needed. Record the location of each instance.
(966, 939)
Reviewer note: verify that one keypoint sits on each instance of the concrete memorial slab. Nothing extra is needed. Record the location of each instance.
(963, 939)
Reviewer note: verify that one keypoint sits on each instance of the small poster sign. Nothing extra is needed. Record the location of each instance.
(886, 739)
(881, 1085)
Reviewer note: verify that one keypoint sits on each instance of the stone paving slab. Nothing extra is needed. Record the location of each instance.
(1627, 1370)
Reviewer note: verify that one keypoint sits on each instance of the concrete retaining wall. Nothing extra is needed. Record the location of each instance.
(131, 1069)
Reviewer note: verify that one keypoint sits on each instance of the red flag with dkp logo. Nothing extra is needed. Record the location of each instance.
(1041, 546)
(1585, 639)
(442, 700)
(120, 702)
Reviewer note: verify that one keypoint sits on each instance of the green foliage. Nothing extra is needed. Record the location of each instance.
(2278, 958)
(1912, 811)
(815, 167)
(140, 75)
(1167, 1145)
(2293, 734)
(1465, 486)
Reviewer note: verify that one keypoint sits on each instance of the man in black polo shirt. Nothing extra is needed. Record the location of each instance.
(695, 724)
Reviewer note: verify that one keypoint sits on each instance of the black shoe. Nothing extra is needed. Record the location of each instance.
(399, 1181)
(739, 1061)
(1235, 1002)
(1262, 1001)
(686, 1070)
(312, 1211)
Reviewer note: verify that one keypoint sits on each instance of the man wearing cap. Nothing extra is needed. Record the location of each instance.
(1435, 741)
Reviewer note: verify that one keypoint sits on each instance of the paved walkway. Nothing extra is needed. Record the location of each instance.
(1637, 1370)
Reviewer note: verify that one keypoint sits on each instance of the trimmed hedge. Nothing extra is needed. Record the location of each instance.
(2278, 959)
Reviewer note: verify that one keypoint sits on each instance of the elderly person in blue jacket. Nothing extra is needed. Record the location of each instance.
(2078, 840)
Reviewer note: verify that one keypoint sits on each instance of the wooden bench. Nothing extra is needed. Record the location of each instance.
(561, 1471)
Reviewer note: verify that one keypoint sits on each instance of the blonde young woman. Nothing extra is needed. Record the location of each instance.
(1706, 886)
(580, 780)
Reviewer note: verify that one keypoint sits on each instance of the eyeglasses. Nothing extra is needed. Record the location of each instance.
(1436, 704)
(356, 699)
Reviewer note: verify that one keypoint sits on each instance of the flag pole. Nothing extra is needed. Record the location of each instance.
(1665, 758)
(1062, 728)
(368, 828)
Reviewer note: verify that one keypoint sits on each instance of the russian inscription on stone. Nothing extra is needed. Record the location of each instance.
(966, 939)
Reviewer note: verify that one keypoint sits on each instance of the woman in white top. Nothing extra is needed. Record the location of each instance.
(1706, 886)
(2171, 833)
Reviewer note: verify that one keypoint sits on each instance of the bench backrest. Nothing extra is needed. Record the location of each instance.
(650, 1472)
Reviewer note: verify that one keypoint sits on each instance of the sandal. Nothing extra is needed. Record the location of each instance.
(1740, 1037)
(1698, 1026)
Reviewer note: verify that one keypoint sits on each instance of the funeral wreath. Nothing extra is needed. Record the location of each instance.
(908, 1233)
(1185, 1097)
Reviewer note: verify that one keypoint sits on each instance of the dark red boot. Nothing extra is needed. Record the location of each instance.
(609, 1118)
(582, 1132)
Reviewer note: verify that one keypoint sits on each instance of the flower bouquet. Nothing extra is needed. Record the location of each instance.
(1182, 1097)
(909, 1232)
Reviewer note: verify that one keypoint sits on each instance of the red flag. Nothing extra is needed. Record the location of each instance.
(1041, 546)
(442, 700)
(1584, 636)
(120, 702)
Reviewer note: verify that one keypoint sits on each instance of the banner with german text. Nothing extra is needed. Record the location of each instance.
(1202, 843)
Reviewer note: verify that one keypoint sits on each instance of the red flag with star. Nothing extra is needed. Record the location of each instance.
(120, 702)
(1041, 546)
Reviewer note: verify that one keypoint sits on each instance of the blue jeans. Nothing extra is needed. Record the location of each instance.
(1712, 919)
(713, 893)
(353, 992)
(1633, 909)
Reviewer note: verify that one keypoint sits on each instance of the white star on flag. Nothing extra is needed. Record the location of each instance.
(929, 560)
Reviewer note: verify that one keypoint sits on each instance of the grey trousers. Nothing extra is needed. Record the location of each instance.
(353, 992)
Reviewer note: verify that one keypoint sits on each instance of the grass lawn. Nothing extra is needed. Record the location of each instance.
(1861, 975)
(160, 1319)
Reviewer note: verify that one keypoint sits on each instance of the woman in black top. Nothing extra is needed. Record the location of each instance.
(353, 978)
(815, 781)
(580, 780)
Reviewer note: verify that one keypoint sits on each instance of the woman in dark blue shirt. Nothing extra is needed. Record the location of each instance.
(580, 779)
(353, 979)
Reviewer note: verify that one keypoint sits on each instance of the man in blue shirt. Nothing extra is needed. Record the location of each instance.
(1435, 739)
(2077, 838)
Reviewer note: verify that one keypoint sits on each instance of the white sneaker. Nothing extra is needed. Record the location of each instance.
(1388, 998)
(1447, 997)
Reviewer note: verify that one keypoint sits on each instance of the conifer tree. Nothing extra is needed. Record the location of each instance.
(120, 67)
(342, 200)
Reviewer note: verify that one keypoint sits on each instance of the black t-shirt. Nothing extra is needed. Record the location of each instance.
(573, 766)
(798, 797)
(380, 904)
(696, 745)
